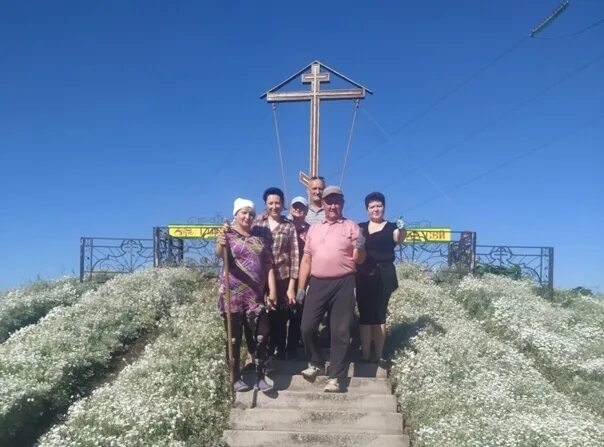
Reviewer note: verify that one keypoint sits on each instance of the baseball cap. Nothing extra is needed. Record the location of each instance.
(333, 189)
(299, 199)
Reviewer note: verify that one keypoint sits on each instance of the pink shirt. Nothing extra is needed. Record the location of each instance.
(330, 246)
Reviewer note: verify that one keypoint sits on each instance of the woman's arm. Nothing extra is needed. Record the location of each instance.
(399, 235)
(272, 287)
(294, 261)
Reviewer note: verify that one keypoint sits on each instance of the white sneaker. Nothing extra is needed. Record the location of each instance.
(311, 372)
(332, 386)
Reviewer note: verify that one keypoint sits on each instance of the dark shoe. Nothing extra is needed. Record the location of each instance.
(240, 386)
(263, 385)
(384, 363)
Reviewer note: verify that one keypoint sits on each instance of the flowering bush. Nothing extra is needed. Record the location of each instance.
(175, 394)
(26, 305)
(459, 386)
(44, 367)
(566, 343)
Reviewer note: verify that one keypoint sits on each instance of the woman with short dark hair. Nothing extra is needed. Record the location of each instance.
(376, 277)
(284, 243)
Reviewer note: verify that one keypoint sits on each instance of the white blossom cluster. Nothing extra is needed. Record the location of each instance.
(26, 305)
(566, 343)
(460, 386)
(176, 394)
(44, 367)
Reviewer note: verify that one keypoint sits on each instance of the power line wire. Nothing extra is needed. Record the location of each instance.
(581, 31)
(509, 161)
(513, 110)
(444, 97)
(522, 104)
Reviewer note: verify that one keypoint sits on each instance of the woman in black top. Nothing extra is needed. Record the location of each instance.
(376, 277)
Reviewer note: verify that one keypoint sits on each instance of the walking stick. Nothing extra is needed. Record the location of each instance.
(227, 307)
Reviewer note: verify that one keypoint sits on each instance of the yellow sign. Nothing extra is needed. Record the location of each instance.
(209, 231)
(424, 235)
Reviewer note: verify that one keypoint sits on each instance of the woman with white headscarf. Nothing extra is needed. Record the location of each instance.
(250, 268)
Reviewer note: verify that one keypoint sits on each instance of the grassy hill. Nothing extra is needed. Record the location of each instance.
(477, 361)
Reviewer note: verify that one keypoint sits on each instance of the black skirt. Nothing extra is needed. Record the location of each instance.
(373, 290)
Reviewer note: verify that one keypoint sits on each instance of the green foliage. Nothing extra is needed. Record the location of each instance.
(176, 394)
(44, 367)
(512, 271)
(24, 306)
(462, 382)
(582, 291)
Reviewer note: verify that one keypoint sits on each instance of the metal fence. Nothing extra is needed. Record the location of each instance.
(536, 263)
(171, 251)
(458, 253)
(103, 256)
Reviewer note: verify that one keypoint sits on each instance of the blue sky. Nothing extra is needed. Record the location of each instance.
(116, 117)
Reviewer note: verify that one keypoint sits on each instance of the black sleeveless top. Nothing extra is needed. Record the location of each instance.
(379, 245)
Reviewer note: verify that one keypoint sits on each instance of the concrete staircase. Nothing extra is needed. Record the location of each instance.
(298, 412)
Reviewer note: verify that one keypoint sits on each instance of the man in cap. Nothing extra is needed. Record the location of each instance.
(333, 247)
(316, 213)
(297, 211)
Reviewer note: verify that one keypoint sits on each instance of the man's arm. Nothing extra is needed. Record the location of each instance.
(359, 253)
(304, 271)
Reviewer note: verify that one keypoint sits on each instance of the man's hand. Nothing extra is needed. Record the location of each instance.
(300, 295)
(360, 243)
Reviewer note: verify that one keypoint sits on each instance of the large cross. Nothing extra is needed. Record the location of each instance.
(315, 95)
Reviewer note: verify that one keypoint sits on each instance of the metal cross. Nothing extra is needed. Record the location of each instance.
(315, 95)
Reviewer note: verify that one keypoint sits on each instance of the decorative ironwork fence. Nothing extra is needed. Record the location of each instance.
(171, 251)
(458, 253)
(536, 263)
(100, 256)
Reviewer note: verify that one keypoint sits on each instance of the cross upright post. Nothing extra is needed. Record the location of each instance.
(315, 77)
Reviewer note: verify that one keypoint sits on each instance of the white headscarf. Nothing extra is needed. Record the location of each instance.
(242, 203)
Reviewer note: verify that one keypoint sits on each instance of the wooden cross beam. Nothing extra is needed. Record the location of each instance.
(315, 95)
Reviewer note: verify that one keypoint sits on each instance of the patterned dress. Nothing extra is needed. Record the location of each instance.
(249, 262)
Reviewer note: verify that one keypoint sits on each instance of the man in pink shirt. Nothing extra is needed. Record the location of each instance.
(333, 248)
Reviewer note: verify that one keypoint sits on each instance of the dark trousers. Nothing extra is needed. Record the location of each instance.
(336, 296)
(278, 319)
(278, 329)
(256, 333)
(285, 337)
(293, 330)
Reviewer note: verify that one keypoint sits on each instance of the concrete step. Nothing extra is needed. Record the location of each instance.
(317, 421)
(249, 438)
(317, 400)
(356, 385)
(356, 369)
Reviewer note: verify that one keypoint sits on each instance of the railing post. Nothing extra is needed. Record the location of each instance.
(156, 247)
(550, 278)
(82, 249)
